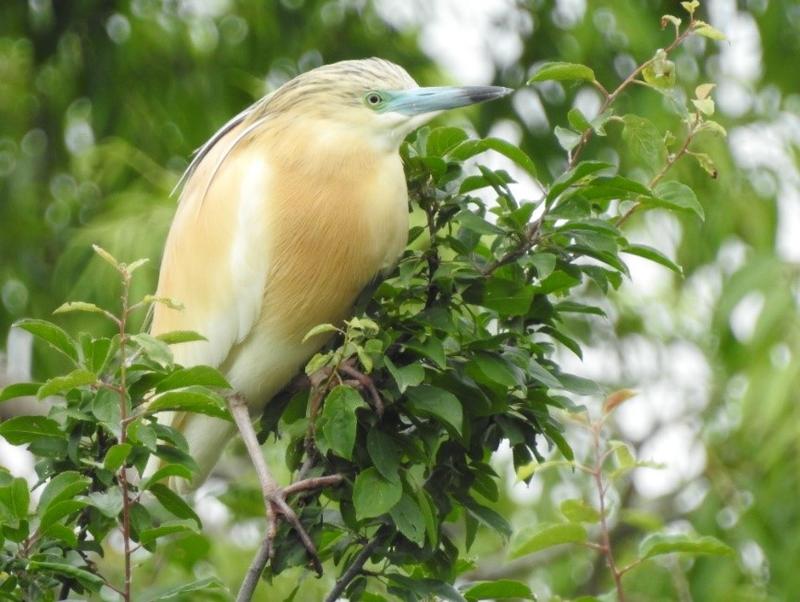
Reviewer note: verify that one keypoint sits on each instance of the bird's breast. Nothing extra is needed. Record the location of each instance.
(330, 231)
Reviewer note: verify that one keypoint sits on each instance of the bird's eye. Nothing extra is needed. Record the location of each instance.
(373, 99)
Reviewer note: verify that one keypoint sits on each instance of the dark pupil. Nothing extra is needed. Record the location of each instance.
(374, 99)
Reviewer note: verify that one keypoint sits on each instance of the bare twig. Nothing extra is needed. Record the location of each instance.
(605, 548)
(671, 160)
(355, 567)
(274, 501)
(254, 571)
(367, 383)
(123, 407)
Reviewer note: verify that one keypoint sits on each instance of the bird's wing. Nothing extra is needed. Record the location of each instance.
(201, 153)
(215, 259)
(215, 264)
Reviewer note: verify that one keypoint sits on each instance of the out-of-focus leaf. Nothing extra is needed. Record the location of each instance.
(695, 545)
(498, 590)
(545, 535)
(560, 71)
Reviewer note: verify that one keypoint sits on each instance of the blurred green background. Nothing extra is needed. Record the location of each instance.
(101, 104)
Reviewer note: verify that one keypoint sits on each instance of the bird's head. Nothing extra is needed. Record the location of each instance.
(373, 97)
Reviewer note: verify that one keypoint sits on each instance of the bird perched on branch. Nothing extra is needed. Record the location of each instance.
(285, 215)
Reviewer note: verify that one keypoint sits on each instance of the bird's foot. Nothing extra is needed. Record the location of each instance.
(278, 507)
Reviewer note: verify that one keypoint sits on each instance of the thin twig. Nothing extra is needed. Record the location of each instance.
(367, 383)
(606, 549)
(123, 406)
(254, 571)
(355, 568)
(611, 97)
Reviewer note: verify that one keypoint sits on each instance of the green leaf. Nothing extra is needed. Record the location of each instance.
(384, 453)
(61, 384)
(432, 348)
(409, 519)
(116, 456)
(705, 106)
(58, 510)
(660, 72)
(470, 148)
(559, 71)
(577, 120)
(507, 297)
(106, 408)
(578, 511)
(180, 336)
(19, 390)
(85, 577)
(320, 329)
(63, 486)
(155, 349)
(653, 255)
(580, 173)
(487, 368)
(166, 528)
(109, 503)
(704, 29)
(106, 256)
(677, 196)
(174, 503)
(16, 498)
(644, 142)
(170, 470)
(475, 223)
(426, 588)
(661, 543)
(567, 139)
(135, 265)
(186, 591)
(488, 517)
(405, 376)
(438, 403)
(61, 532)
(26, 429)
(338, 422)
(691, 6)
(443, 139)
(196, 375)
(498, 590)
(78, 306)
(57, 338)
(373, 495)
(192, 399)
(543, 375)
(545, 535)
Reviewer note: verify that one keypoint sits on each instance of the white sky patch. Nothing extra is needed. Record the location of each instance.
(744, 317)
(466, 37)
(663, 447)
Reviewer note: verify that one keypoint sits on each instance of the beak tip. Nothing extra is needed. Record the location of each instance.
(484, 93)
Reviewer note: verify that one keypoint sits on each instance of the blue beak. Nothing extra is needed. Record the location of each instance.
(419, 101)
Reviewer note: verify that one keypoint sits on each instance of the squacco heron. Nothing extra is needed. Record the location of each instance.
(285, 215)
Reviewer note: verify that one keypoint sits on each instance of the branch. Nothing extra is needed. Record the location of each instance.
(254, 571)
(611, 97)
(355, 567)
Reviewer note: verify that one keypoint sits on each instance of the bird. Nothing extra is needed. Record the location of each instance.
(284, 216)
